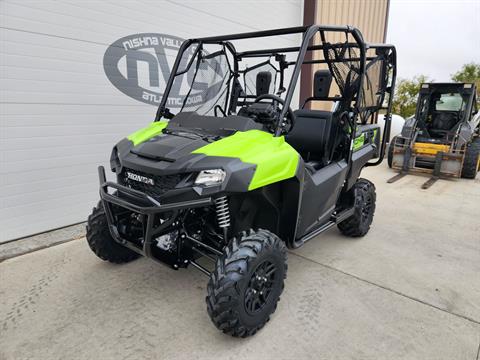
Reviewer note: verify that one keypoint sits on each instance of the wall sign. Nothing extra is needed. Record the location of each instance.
(139, 66)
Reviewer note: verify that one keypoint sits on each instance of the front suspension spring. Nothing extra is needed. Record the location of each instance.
(223, 213)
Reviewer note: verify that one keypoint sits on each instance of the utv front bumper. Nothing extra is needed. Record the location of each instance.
(142, 204)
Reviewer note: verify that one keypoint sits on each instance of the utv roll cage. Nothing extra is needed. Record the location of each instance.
(363, 72)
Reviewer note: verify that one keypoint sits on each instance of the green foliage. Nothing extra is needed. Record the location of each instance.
(469, 73)
(405, 99)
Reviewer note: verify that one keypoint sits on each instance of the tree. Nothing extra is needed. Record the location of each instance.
(469, 73)
(405, 99)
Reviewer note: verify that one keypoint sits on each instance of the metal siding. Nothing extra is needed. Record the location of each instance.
(60, 116)
(367, 15)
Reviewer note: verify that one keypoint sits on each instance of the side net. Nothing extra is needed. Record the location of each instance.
(373, 88)
(344, 63)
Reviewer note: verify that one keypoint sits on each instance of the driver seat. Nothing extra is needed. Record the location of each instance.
(442, 123)
(311, 134)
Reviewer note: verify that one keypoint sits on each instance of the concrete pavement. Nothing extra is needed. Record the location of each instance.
(410, 289)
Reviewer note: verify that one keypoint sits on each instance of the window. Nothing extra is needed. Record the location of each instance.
(450, 102)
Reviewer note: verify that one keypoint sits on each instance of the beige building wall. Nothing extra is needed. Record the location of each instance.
(369, 16)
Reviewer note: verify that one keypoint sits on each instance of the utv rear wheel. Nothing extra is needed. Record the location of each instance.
(101, 242)
(245, 286)
(364, 208)
(471, 162)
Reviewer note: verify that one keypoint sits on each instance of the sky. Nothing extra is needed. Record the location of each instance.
(434, 38)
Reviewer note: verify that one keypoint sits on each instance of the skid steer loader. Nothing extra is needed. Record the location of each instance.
(443, 138)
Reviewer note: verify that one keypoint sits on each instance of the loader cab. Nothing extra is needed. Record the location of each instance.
(442, 108)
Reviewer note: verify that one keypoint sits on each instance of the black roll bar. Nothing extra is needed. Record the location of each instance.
(308, 31)
(388, 116)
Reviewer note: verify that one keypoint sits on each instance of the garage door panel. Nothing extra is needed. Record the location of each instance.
(46, 216)
(72, 130)
(74, 152)
(31, 176)
(46, 63)
(132, 108)
(45, 185)
(40, 39)
(54, 97)
(43, 196)
(62, 142)
(15, 72)
(73, 89)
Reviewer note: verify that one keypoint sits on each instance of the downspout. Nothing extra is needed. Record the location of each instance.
(306, 79)
(387, 14)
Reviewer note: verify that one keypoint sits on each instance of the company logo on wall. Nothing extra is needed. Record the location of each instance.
(139, 66)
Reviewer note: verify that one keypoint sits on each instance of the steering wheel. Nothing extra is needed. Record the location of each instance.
(290, 116)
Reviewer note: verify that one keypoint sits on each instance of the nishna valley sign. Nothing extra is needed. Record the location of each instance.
(139, 66)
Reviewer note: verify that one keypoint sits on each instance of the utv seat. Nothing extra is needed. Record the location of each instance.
(311, 133)
(322, 80)
(310, 136)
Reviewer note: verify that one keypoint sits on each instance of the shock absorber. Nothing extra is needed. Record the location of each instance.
(223, 214)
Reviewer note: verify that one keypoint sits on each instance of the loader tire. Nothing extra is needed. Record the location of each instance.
(471, 162)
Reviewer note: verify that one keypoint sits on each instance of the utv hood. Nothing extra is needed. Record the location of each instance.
(251, 159)
(168, 147)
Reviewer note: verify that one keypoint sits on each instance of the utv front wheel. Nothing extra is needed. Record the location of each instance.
(245, 286)
(101, 242)
(364, 207)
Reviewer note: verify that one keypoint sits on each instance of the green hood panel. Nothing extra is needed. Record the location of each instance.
(147, 133)
(275, 160)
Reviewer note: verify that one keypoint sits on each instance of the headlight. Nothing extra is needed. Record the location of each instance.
(210, 177)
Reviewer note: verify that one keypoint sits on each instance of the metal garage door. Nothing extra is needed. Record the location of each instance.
(59, 113)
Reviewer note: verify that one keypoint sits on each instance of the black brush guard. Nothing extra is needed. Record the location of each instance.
(141, 203)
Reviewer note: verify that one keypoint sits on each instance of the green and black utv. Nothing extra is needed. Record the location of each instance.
(229, 176)
(443, 138)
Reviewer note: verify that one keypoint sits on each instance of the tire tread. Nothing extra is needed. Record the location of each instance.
(101, 242)
(470, 162)
(353, 226)
(223, 291)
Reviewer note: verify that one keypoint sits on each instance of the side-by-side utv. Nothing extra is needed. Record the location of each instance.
(443, 138)
(233, 171)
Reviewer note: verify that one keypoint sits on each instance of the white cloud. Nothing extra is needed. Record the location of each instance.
(434, 38)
